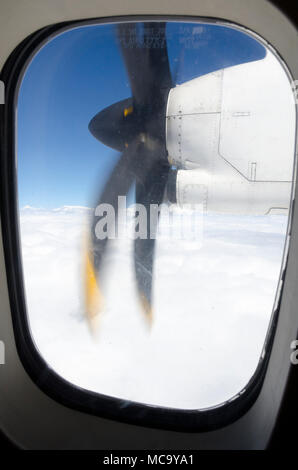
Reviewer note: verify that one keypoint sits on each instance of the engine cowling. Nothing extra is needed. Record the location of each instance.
(231, 136)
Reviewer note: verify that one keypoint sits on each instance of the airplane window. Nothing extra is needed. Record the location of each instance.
(155, 170)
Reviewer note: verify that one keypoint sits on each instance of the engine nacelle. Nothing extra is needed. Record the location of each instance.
(231, 134)
(226, 195)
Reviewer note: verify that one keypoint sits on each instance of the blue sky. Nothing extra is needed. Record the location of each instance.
(77, 74)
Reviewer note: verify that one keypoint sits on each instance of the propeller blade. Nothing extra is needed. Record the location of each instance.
(145, 53)
(137, 127)
(150, 191)
(118, 184)
(150, 172)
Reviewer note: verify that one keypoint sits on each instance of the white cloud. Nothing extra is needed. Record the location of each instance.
(212, 307)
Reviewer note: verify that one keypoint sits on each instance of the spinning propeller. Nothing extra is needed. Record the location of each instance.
(136, 127)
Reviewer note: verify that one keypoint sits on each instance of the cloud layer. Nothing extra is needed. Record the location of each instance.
(212, 306)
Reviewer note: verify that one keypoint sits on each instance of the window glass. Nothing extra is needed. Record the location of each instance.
(155, 169)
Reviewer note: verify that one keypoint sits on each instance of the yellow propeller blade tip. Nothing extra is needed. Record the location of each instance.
(94, 297)
(147, 309)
